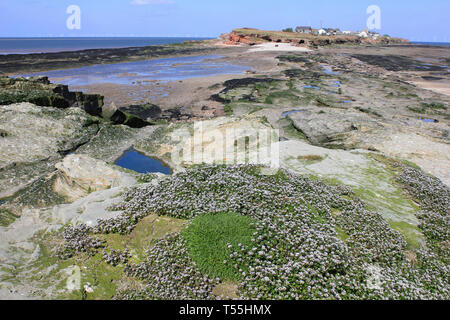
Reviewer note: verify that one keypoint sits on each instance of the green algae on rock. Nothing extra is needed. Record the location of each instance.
(356, 238)
(41, 92)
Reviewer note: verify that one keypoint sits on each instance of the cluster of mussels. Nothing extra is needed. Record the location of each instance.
(147, 177)
(169, 274)
(430, 191)
(434, 198)
(312, 240)
(116, 257)
(78, 239)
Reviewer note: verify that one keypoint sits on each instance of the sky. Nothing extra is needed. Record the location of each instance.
(416, 20)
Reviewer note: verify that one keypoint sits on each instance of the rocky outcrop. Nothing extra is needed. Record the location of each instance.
(248, 36)
(79, 175)
(119, 116)
(35, 138)
(41, 92)
(149, 112)
(331, 127)
(236, 39)
(139, 116)
(221, 138)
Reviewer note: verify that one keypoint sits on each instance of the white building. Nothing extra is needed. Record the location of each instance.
(363, 34)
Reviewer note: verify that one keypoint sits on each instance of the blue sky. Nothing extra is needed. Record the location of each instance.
(417, 20)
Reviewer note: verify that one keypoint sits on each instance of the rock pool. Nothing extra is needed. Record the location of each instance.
(285, 114)
(138, 162)
(428, 120)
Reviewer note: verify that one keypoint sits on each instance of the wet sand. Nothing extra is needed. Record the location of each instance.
(195, 93)
(191, 94)
(439, 87)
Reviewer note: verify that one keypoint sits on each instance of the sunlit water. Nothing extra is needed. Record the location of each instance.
(166, 69)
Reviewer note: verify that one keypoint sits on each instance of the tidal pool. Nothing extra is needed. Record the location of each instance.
(285, 114)
(311, 87)
(428, 120)
(328, 70)
(168, 69)
(138, 162)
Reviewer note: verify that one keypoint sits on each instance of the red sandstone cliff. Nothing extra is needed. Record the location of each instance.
(248, 36)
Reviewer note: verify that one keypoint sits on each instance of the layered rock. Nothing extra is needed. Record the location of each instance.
(79, 175)
(329, 128)
(35, 138)
(41, 92)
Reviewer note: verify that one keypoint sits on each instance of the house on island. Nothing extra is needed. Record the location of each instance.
(303, 29)
(330, 31)
(364, 34)
(336, 31)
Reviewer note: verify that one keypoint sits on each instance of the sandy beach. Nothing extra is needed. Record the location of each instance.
(278, 47)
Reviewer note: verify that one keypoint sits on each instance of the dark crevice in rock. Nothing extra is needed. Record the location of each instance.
(139, 116)
(3, 134)
(120, 117)
(240, 83)
(64, 153)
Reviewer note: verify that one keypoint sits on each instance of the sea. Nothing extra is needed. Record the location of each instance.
(44, 45)
(440, 44)
(60, 44)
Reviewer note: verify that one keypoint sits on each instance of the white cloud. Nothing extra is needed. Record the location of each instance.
(146, 2)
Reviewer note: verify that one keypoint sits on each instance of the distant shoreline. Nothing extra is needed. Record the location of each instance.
(30, 45)
(435, 44)
(13, 64)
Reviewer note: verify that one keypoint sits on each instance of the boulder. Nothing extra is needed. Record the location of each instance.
(329, 127)
(79, 175)
(148, 112)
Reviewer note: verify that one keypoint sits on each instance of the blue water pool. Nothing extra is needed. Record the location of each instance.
(136, 161)
(285, 114)
(311, 87)
(329, 71)
(428, 120)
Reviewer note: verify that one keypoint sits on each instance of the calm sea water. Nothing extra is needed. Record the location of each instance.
(40, 45)
(442, 44)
